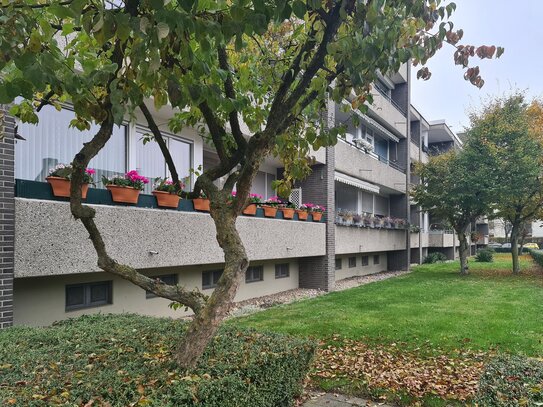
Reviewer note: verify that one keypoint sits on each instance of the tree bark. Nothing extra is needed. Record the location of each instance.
(464, 253)
(205, 325)
(514, 249)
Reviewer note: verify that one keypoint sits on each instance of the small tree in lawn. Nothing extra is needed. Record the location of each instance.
(252, 76)
(509, 132)
(454, 188)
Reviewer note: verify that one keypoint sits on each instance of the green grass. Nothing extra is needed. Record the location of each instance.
(432, 307)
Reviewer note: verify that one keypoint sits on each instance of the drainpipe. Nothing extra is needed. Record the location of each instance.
(408, 167)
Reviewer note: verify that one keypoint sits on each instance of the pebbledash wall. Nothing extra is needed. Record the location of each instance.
(7, 216)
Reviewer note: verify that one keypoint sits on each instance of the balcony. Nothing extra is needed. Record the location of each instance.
(49, 241)
(368, 240)
(384, 108)
(441, 238)
(419, 240)
(355, 162)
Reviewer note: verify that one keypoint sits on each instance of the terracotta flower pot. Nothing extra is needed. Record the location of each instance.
(61, 187)
(166, 200)
(201, 204)
(250, 209)
(317, 216)
(302, 215)
(288, 213)
(269, 211)
(123, 194)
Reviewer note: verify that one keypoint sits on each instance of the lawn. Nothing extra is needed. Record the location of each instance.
(424, 337)
(432, 306)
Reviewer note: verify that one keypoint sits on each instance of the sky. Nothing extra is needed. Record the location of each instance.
(515, 25)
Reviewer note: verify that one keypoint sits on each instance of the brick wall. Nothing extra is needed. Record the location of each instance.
(7, 217)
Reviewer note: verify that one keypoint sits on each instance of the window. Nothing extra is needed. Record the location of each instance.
(52, 141)
(254, 274)
(282, 270)
(88, 295)
(150, 161)
(376, 259)
(170, 279)
(210, 278)
(365, 260)
(352, 262)
(338, 264)
(262, 184)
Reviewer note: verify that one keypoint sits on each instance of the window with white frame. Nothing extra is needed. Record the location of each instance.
(52, 141)
(262, 184)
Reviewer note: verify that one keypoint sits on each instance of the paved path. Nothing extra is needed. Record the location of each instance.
(336, 400)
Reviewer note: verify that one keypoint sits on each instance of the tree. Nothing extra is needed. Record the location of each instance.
(454, 188)
(252, 76)
(510, 134)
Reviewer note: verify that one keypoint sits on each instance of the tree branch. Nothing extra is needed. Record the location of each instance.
(161, 143)
(231, 94)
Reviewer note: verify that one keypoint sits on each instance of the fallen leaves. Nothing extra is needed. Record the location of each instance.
(397, 370)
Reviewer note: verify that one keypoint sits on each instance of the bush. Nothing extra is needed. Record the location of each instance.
(511, 381)
(127, 360)
(435, 257)
(537, 255)
(485, 256)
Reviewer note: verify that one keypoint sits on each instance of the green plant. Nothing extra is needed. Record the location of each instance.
(167, 185)
(510, 381)
(435, 257)
(123, 360)
(131, 179)
(65, 171)
(485, 256)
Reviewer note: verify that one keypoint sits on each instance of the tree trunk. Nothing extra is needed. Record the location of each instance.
(514, 249)
(464, 253)
(204, 326)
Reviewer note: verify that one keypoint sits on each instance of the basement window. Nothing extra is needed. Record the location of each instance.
(210, 278)
(88, 295)
(282, 270)
(169, 279)
(254, 274)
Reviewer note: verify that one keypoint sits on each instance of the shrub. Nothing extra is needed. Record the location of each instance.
(537, 255)
(511, 381)
(127, 360)
(435, 257)
(485, 256)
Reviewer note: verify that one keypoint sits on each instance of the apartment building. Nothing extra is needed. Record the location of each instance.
(48, 266)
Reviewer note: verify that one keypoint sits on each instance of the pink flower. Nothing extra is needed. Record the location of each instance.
(90, 171)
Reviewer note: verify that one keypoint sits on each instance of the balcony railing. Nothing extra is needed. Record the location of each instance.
(384, 160)
(392, 102)
(95, 196)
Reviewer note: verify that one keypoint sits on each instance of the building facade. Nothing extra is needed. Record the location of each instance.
(48, 268)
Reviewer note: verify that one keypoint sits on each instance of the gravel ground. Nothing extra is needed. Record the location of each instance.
(286, 297)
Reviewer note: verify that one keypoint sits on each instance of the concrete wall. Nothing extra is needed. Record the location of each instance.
(416, 238)
(386, 112)
(49, 242)
(351, 161)
(441, 240)
(7, 216)
(360, 270)
(366, 240)
(41, 301)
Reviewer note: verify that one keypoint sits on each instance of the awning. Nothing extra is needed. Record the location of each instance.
(357, 183)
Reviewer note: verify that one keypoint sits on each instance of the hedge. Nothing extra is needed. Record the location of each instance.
(510, 381)
(537, 255)
(127, 360)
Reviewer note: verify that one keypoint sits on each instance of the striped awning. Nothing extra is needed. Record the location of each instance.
(355, 182)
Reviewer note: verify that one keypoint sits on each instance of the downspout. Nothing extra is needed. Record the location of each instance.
(408, 167)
